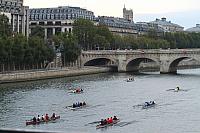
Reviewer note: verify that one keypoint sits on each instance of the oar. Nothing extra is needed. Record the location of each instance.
(95, 122)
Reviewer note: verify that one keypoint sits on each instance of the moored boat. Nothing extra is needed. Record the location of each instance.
(31, 122)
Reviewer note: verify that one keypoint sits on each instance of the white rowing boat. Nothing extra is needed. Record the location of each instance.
(76, 108)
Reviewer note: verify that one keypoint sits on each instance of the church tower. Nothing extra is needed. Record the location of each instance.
(128, 14)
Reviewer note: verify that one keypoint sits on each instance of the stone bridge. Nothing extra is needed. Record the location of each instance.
(129, 60)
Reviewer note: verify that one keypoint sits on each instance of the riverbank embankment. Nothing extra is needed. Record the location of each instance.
(47, 74)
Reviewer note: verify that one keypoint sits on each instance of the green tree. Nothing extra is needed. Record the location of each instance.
(37, 31)
(5, 27)
(68, 44)
(84, 30)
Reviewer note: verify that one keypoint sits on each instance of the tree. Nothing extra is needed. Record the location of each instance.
(69, 47)
(40, 52)
(37, 31)
(5, 27)
(84, 30)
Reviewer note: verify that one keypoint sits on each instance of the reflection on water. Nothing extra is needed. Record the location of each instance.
(107, 95)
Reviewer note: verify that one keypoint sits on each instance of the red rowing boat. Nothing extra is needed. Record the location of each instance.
(107, 125)
(31, 122)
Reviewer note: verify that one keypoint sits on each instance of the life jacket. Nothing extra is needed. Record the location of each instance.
(110, 120)
(47, 117)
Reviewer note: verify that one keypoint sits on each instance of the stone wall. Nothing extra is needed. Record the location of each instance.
(37, 75)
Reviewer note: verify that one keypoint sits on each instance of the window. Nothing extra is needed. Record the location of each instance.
(70, 30)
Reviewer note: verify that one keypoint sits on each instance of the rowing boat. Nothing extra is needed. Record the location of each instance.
(75, 108)
(76, 92)
(145, 106)
(31, 122)
(130, 80)
(107, 125)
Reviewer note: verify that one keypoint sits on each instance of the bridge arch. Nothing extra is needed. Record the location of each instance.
(173, 65)
(134, 63)
(99, 61)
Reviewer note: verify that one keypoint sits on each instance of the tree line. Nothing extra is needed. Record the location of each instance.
(92, 37)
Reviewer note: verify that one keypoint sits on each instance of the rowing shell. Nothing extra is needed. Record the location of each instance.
(76, 92)
(76, 108)
(39, 122)
(148, 106)
(107, 125)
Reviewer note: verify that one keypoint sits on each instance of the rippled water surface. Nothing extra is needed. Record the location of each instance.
(107, 95)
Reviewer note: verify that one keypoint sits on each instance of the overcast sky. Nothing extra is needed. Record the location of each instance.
(182, 12)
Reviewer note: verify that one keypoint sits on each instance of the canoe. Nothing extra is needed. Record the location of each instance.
(107, 125)
(31, 122)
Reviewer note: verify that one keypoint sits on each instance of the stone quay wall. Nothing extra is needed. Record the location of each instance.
(47, 74)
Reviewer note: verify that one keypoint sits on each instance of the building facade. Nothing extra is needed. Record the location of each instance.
(18, 15)
(194, 29)
(167, 26)
(118, 26)
(59, 19)
(128, 14)
(144, 28)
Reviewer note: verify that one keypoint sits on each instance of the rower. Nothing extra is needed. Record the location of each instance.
(105, 122)
(84, 103)
(39, 118)
(42, 117)
(46, 117)
(115, 118)
(81, 104)
(146, 103)
(111, 120)
(102, 122)
(74, 105)
(108, 120)
(53, 115)
(78, 104)
(34, 119)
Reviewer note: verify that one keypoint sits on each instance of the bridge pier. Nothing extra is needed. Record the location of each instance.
(166, 69)
(121, 63)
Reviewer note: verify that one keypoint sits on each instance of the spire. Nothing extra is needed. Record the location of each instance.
(124, 6)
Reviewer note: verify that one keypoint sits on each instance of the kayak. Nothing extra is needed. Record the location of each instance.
(31, 122)
(107, 125)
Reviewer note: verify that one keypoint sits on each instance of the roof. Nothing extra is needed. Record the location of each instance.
(194, 29)
(163, 22)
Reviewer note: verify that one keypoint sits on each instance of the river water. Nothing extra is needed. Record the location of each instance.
(107, 95)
